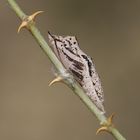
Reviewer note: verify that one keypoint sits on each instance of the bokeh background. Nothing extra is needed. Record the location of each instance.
(109, 31)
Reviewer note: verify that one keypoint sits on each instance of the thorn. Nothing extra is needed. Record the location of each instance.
(101, 129)
(28, 19)
(22, 25)
(33, 16)
(110, 119)
(57, 79)
(105, 126)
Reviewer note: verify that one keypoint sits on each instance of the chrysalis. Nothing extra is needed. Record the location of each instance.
(80, 65)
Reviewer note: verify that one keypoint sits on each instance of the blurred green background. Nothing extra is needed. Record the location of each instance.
(109, 31)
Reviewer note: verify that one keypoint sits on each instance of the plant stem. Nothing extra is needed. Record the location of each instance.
(74, 86)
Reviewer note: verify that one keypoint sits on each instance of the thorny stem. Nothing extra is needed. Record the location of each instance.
(74, 86)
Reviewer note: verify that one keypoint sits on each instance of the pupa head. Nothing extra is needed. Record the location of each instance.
(68, 43)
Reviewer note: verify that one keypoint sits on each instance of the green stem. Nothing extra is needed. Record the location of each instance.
(74, 86)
